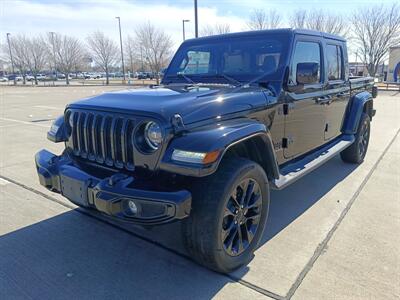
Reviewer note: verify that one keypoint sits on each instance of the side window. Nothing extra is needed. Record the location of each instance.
(196, 62)
(334, 58)
(305, 52)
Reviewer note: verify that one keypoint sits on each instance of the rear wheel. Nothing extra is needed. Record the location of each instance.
(229, 212)
(356, 152)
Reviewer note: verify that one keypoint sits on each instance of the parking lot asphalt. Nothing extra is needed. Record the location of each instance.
(331, 235)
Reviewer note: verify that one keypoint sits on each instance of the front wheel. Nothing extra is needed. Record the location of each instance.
(356, 152)
(228, 217)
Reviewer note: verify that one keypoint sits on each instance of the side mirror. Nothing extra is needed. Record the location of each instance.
(307, 73)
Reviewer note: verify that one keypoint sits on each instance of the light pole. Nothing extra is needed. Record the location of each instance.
(196, 25)
(122, 52)
(11, 58)
(141, 57)
(183, 27)
(54, 55)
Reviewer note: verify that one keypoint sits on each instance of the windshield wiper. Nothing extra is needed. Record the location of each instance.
(180, 75)
(188, 79)
(228, 78)
(254, 80)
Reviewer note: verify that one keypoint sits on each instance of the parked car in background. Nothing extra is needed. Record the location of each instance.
(84, 75)
(41, 77)
(16, 77)
(146, 75)
(3, 79)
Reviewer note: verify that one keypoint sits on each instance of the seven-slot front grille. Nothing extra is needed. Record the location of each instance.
(103, 138)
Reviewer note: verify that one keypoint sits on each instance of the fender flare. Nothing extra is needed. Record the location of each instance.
(355, 111)
(221, 136)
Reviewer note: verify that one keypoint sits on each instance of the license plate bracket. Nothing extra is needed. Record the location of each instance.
(75, 188)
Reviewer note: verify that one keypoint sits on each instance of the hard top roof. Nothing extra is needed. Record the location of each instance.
(287, 31)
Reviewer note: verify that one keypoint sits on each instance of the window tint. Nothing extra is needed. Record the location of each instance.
(243, 58)
(334, 58)
(305, 52)
(195, 62)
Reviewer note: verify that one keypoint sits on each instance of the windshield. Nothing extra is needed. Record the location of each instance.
(231, 60)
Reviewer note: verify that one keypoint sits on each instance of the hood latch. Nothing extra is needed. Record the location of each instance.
(177, 123)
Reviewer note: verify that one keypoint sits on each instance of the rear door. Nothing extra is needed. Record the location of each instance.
(304, 115)
(337, 88)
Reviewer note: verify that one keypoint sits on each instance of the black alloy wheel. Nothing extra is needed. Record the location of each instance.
(241, 217)
(364, 139)
(228, 216)
(356, 152)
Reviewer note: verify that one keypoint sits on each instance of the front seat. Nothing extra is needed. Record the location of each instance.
(269, 64)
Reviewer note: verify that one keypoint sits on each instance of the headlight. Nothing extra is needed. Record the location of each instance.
(153, 135)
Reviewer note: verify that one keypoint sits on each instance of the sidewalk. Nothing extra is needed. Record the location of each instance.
(362, 260)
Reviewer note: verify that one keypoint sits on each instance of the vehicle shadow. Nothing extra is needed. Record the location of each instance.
(285, 206)
(73, 255)
(290, 203)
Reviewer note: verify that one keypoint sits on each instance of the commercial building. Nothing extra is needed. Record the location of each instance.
(394, 64)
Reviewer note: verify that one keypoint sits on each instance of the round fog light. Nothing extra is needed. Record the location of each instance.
(132, 206)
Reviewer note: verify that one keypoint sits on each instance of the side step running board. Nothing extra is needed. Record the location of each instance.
(298, 169)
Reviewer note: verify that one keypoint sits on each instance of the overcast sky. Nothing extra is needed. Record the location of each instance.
(79, 18)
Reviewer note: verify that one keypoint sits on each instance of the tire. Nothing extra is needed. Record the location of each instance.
(356, 152)
(211, 227)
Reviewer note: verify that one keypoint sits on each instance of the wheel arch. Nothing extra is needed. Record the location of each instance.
(241, 137)
(359, 104)
(257, 148)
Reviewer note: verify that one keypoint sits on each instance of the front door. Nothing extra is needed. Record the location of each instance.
(304, 114)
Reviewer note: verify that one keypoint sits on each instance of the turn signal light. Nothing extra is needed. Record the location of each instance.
(195, 157)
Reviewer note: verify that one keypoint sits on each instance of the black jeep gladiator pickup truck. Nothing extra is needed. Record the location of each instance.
(235, 116)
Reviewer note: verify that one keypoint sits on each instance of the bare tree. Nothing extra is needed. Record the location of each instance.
(298, 19)
(19, 48)
(319, 20)
(38, 55)
(156, 46)
(260, 19)
(375, 30)
(68, 51)
(132, 53)
(220, 28)
(104, 51)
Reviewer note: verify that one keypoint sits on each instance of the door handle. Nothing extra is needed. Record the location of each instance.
(324, 100)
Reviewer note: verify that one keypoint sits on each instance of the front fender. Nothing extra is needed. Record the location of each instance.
(219, 136)
(355, 111)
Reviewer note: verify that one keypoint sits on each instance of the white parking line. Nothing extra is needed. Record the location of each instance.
(3, 181)
(49, 107)
(10, 125)
(24, 122)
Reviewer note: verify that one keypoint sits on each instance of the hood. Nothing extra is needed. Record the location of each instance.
(193, 105)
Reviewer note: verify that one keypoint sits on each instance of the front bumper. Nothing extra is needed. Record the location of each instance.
(110, 195)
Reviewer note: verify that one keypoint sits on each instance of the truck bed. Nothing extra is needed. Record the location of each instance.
(359, 84)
